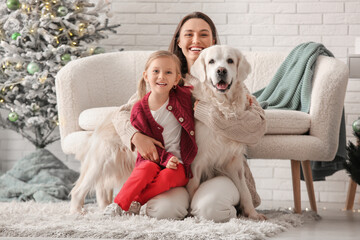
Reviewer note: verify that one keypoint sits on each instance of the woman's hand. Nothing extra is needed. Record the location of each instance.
(249, 98)
(145, 145)
(195, 104)
(172, 163)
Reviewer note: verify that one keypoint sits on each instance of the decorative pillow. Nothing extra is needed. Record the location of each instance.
(90, 118)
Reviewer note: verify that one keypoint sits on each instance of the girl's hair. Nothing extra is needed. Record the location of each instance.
(174, 47)
(142, 90)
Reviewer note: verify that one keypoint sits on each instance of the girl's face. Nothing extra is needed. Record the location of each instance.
(162, 75)
(195, 35)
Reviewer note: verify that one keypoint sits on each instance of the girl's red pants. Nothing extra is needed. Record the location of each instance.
(148, 180)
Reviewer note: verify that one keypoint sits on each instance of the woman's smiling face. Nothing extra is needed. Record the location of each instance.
(195, 35)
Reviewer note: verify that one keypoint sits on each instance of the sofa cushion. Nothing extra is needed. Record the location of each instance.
(286, 122)
(90, 118)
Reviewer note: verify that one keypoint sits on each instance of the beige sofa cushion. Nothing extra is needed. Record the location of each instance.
(90, 118)
(284, 122)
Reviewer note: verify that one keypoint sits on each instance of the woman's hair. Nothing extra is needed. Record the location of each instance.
(174, 47)
(142, 90)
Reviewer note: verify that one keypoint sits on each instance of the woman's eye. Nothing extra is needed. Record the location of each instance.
(155, 71)
(230, 61)
(169, 72)
(212, 61)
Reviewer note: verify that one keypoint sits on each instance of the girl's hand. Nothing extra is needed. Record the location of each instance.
(172, 163)
(145, 145)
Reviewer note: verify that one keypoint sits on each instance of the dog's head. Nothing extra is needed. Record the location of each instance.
(222, 67)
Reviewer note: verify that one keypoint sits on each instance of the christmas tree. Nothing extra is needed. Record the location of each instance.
(352, 165)
(38, 37)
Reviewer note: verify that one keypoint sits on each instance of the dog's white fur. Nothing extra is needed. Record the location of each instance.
(218, 155)
(106, 163)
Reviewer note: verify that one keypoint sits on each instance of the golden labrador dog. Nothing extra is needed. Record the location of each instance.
(219, 74)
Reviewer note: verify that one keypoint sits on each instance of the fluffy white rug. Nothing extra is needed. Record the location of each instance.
(30, 219)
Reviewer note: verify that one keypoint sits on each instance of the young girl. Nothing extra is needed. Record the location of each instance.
(165, 114)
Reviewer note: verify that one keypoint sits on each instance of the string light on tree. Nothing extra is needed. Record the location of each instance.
(18, 66)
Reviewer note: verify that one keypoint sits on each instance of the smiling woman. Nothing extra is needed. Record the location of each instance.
(194, 32)
(196, 35)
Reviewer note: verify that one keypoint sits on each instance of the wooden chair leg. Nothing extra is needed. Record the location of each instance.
(309, 184)
(295, 171)
(350, 195)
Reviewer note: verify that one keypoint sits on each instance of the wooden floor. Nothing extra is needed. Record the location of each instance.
(336, 223)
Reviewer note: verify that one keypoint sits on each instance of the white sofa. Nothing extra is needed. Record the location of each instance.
(89, 88)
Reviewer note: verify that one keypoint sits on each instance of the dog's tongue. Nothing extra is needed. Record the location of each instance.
(222, 85)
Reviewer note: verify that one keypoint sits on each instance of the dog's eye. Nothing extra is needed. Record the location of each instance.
(212, 61)
(230, 61)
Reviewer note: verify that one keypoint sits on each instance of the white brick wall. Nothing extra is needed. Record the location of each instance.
(257, 25)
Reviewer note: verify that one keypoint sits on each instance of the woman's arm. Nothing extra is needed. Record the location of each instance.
(130, 136)
(122, 124)
(246, 128)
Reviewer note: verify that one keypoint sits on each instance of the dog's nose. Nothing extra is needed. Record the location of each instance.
(221, 71)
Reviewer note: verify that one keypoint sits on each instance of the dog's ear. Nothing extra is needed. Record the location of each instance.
(243, 67)
(198, 69)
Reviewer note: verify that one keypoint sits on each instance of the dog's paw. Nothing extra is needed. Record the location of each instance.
(75, 211)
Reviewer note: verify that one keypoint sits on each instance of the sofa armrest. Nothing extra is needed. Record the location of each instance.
(327, 102)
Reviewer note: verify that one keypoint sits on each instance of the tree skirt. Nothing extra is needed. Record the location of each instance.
(31, 219)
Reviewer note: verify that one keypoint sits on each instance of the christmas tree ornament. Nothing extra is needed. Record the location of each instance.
(15, 35)
(99, 50)
(13, 116)
(356, 126)
(65, 58)
(33, 67)
(13, 4)
(62, 11)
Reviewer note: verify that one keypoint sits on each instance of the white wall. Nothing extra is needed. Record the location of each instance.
(259, 25)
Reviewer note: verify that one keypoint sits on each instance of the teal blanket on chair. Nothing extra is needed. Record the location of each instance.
(290, 89)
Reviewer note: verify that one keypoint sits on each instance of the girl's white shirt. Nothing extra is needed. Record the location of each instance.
(172, 129)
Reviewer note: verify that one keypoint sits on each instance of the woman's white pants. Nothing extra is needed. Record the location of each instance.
(214, 200)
